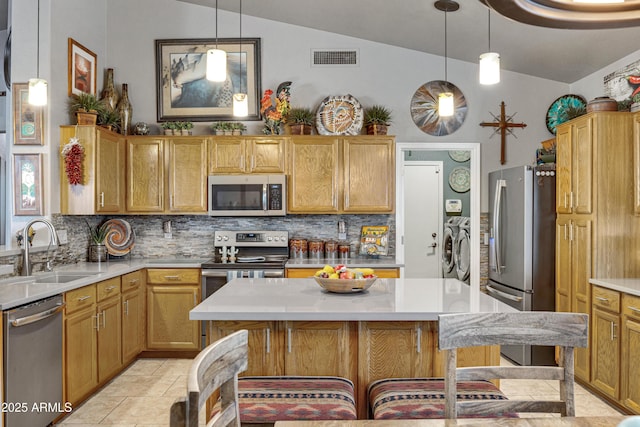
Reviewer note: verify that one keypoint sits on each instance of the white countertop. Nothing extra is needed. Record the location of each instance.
(304, 299)
(630, 285)
(382, 262)
(20, 290)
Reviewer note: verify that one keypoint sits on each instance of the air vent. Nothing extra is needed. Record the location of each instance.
(334, 57)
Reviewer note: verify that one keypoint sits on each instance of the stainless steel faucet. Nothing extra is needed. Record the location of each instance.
(26, 264)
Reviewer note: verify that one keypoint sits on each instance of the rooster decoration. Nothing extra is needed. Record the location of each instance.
(276, 114)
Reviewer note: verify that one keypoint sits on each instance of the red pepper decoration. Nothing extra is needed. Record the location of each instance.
(73, 154)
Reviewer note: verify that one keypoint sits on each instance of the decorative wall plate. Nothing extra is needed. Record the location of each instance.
(460, 155)
(557, 112)
(460, 179)
(424, 108)
(339, 115)
(120, 239)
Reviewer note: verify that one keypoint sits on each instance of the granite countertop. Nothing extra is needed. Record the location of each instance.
(304, 299)
(382, 262)
(20, 290)
(629, 285)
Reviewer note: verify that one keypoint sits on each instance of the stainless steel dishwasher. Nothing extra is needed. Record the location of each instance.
(33, 363)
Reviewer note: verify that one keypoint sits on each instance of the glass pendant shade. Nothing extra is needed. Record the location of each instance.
(489, 68)
(240, 105)
(216, 65)
(37, 92)
(445, 104)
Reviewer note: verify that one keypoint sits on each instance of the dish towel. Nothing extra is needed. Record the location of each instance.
(238, 274)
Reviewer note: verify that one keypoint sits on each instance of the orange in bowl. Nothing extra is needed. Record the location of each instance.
(345, 286)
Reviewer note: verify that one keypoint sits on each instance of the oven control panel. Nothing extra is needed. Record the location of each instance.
(251, 238)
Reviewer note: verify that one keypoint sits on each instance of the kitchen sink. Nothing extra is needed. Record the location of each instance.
(62, 277)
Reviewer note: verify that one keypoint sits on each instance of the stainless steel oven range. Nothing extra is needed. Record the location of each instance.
(244, 254)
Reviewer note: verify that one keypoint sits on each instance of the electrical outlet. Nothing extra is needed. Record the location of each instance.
(62, 236)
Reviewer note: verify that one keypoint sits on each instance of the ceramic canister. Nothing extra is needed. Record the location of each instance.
(331, 249)
(316, 249)
(298, 248)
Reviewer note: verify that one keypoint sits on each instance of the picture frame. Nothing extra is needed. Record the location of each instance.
(183, 92)
(27, 184)
(28, 120)
(83, 66)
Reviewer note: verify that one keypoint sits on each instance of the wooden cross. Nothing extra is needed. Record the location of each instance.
(503, 124)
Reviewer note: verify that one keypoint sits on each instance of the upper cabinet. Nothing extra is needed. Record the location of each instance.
(636, 163)
(236, 155)
(101, 188)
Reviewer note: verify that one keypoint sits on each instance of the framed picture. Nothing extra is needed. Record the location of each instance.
(27, 184)
(27, 119)
(82, 69)
(183, 92)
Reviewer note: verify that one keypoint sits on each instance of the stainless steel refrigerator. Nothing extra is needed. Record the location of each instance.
(522, 218)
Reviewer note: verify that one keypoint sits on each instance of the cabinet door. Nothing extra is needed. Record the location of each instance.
(132, 324)
(314, 173)
(110, 167)
(145, 175)
(581, 289)
(227, 155)
(630, 393)
(187, 175)
(109, 338)
(80, 356)
(563, 168)
(266, 155)
(564, 295)
(636, 163)
(168, 323)
(369, 175)
(582, 181)
(605, 367)
(266, 346)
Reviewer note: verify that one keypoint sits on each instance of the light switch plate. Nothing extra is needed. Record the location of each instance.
(62, 236)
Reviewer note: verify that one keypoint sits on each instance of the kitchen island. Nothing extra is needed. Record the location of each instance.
(390, 330)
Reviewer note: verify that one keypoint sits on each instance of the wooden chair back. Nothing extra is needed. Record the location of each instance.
(215, 368)
(565, 330)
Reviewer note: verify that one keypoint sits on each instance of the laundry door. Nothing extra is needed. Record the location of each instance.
(422, 196)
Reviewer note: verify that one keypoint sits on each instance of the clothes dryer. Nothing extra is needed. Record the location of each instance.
(462, 250)
(449, 236)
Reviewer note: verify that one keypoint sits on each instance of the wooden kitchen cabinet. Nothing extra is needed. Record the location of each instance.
(605, 342)
(303, 273)
(166, 175)
(574, 153)
(636, 163)
(629, 351)
(171, 294)
(253, 154)
(102, 190)
(133, 315)
(109, 329)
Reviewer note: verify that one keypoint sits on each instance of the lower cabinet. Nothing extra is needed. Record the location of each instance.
(605, 342)
(630, 348)
(171, 294)
(133, 315)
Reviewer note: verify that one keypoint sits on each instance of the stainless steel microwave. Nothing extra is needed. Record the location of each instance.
(247, 195)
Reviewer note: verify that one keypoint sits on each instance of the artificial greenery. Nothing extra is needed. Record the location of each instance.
(378, 115)
(573, 112)
(86, 102)
(109, 117)
(238, 126)
(99, 233)
(301, 116)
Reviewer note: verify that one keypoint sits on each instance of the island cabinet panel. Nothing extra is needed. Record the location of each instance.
(630, 343)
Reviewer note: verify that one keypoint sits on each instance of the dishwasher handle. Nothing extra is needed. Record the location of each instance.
(27, 320)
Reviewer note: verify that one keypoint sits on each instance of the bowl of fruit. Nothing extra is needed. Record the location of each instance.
(343, 280)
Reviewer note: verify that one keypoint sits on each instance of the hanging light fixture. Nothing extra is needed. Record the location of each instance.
(489, 62)
(216, 59)
(445, 99)
(240, 99)
(37, 87)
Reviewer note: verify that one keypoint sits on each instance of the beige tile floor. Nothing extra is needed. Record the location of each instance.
(142, 394)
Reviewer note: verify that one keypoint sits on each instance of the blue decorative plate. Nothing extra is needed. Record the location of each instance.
(557, 112)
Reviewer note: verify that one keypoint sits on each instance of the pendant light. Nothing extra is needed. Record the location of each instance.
(445, 99)
(216, 59)
(37, 87)
(240, 99)
(489, 62)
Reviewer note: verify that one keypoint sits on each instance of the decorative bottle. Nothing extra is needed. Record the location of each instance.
(125, 111)
(109, 93)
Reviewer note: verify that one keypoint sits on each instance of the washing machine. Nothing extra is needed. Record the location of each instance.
(462, 250)
(449, 236)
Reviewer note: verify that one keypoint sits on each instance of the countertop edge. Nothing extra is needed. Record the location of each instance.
(629, 286)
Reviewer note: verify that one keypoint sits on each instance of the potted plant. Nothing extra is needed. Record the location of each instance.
(635, 103)
(237, 128)
(109, 119)
(168, 127)
(97, 236)
(301, 121)
(186, 128)
(377, 119)
(85, 107)
(216, 128)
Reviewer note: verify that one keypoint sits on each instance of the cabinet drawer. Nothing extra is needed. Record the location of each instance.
(172, 276)
(631, 305)
(80, 298)
(131, 280)
(606, 299)
(108, 288)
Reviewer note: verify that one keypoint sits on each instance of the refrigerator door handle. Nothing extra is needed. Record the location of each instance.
(494, 291)
(497, 221)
